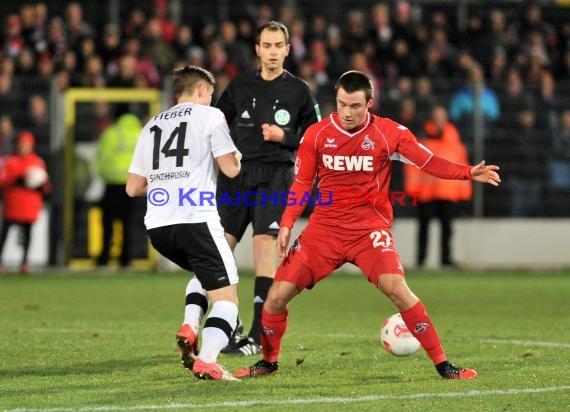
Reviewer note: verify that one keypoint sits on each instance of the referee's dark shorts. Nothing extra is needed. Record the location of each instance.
(257, 195)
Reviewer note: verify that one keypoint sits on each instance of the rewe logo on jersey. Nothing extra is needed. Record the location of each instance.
(350, 163)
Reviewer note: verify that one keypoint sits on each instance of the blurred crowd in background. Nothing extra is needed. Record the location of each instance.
(516, 55)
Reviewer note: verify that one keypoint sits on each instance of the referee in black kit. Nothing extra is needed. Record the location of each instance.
(268, 111)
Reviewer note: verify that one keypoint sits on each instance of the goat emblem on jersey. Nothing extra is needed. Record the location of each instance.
(367, 143)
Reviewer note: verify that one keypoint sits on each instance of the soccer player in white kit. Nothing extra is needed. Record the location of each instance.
(173, 166)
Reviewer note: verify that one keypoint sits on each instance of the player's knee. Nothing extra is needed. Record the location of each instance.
(275, 302)
(395, 288)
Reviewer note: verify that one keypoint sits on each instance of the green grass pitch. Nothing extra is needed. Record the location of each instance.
(105, 342)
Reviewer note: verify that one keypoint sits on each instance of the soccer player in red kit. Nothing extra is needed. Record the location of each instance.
(351, 151)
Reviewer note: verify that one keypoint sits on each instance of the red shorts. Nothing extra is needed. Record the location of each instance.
(318, 251)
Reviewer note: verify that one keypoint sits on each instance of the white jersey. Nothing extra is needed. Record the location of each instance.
(175, 153)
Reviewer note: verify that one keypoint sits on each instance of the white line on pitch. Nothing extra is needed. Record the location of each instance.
(72, 330)
(525, 342)
(306, 401)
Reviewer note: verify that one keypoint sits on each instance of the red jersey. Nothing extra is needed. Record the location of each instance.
(353, 170)
(20, 203)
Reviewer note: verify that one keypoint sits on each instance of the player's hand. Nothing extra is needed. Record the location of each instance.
(272, 133)
(486, 174)
(282, 242)
(238, 155)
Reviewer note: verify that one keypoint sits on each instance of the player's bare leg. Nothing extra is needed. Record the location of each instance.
(232, 241)
(419, 323)
(274, 325)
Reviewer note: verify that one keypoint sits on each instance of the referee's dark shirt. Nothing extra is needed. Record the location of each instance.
(249, 101)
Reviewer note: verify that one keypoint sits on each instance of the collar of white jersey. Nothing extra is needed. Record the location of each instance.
(344, 131)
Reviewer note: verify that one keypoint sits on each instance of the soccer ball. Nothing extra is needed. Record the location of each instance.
(396, 338)
(35, 177)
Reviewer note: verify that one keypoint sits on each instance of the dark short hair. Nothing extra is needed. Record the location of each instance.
(272, 26)
(353, 81)
(186, 79)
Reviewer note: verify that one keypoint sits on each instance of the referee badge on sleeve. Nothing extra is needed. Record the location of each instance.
(282, 117)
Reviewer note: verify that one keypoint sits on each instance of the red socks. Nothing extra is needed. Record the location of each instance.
(272, 330)
(420, 325)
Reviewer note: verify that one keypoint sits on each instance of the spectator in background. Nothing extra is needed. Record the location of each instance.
(135, 23)
(337, 56)
(546, 102)
(37, 40)
(8, 65)
(114, 153)
(424, 97)
(13, 39)
(184, 42)
(76, 28)
(498, 70)
(559, 164)
(144, 66)
(403, 62)
(514, 98)
(127, 70)
(438, 198)
(395, 94)
(156, 48)
(381, 30)
(38, 123)
(93, 74)
(26, 63)
(22, 193)
(27, 20)
(298, 45)
(110, 47)
(46, 66)
(404, 24)
(238, 52)
(463, 103)
(528, 145)
(317, 28)
(7, 94)
(7, 137)
(355, 34)
(408, 115)
(167, 27)
(57, 42)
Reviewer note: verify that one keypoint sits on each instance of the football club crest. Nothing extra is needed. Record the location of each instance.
(367, 144)
(282, 117)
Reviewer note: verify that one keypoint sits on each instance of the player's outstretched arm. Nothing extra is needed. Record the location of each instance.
(136, 185)
(486, 174)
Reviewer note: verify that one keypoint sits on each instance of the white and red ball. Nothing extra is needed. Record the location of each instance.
(396, 337)
(35, 177)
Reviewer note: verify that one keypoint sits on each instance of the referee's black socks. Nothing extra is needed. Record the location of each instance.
(260, 291)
